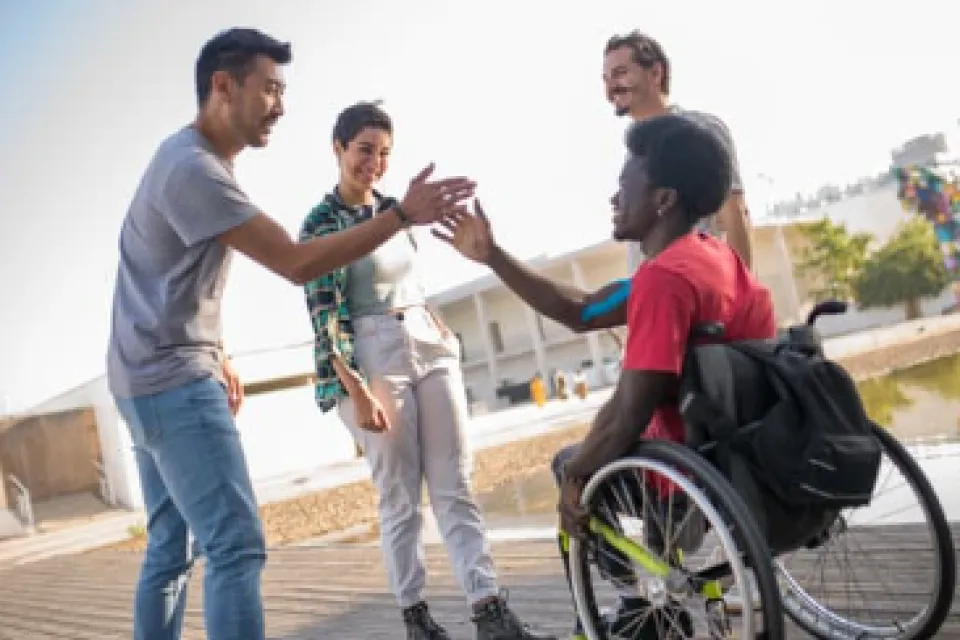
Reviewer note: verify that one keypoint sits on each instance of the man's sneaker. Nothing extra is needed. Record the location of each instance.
(495, 621)
(421, 625)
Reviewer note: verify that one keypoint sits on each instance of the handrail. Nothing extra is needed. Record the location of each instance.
(106, 489)
(24, 504)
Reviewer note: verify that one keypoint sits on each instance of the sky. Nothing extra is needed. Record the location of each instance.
(506, 92)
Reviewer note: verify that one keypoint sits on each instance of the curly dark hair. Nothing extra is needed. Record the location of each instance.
(646, 52)
(686, 157)
(234, 51)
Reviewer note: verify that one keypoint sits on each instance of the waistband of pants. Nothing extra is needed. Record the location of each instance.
(389, 317)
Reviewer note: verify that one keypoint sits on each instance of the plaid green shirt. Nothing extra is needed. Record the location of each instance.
(327, 298)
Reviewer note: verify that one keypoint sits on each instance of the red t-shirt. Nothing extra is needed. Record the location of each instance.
(697, 279)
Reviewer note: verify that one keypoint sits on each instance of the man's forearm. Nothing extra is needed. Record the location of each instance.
(350, 379)
(263, 240)
(321, 255)
(554, 300)
(736, 223)
(620, 425)
(606, 441)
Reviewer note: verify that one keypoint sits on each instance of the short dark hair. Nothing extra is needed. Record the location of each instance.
(646, 52)
(686, 157)
(358, 117)
(234, 51)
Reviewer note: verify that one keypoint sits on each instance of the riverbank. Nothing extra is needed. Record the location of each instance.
(917, 346)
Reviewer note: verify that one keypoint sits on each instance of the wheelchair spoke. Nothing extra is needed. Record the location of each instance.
(655, 575)
(886, 570)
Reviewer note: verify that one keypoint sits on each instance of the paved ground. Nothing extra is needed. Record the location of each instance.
(311, 592)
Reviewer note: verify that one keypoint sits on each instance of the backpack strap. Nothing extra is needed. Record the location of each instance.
(716, 434)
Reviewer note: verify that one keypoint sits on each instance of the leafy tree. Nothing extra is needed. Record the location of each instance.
(832, 258)
(905, 270)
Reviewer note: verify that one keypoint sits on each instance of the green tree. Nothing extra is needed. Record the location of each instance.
(905, 270)
(832, 259)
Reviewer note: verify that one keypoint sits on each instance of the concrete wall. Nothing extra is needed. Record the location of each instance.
(52, 454)
(115, 445)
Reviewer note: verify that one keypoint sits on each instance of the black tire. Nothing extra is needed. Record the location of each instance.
(943, 539)
(731, 508)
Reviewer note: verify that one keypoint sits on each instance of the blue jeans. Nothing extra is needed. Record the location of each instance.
(194, 477)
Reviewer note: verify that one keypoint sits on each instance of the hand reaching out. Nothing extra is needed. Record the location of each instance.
(468, 233)
(426, 202)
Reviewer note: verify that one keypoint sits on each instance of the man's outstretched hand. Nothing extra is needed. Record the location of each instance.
(468, 233)
(426, 202)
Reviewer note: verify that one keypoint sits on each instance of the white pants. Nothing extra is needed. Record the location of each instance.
(415, 374)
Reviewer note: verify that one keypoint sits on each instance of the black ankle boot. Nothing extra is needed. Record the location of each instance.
(421, 625)
(495, 621)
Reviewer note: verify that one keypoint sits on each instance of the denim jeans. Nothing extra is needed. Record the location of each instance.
(194, 478)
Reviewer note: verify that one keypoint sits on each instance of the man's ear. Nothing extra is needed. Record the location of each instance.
(221, 83)
(665, 199)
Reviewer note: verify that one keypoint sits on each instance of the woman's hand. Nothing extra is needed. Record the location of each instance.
(426, 202)
(370, 415)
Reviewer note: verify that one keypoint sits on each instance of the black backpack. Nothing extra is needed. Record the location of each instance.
(793, 417)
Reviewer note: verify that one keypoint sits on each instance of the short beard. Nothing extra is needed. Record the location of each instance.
(622, 111)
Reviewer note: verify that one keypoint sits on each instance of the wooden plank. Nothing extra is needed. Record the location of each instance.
(339, 592)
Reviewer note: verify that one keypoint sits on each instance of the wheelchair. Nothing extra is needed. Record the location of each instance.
(680, 550)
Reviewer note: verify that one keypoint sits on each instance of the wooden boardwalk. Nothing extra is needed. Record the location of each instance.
(310, 592)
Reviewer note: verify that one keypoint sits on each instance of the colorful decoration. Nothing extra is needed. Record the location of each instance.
(934, 193)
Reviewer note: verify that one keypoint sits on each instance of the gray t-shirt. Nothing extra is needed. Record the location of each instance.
(166, 307)
(716, 125)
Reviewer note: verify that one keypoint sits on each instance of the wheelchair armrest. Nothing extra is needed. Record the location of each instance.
(707, 330)
(803, 338)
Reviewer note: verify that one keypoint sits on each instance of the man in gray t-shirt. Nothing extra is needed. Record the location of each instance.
(166, 315)
(173, 386)
(636, 74)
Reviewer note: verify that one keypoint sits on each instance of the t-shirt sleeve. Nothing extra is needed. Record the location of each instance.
(660, 314)
(201, 200)
(719, 128)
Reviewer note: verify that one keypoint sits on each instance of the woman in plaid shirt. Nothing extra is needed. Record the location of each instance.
(392, 370)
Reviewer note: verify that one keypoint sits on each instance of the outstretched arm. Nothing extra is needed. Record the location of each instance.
(572, 307)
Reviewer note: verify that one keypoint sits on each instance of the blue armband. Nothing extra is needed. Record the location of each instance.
(616, 298)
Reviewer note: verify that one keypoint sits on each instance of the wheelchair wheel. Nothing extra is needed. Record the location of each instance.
(680, 593)
(899, 558)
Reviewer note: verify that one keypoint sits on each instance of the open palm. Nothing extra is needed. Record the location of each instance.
(468, 233)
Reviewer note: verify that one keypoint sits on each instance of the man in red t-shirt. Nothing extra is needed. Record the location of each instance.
(677, 173)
